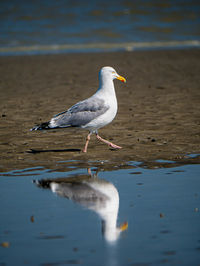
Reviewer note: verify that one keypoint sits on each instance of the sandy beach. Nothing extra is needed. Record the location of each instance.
(158, 115)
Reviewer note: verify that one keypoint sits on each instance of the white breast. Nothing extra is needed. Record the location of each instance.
(105, 118)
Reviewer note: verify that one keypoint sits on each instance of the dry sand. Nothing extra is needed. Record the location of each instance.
(158, 115)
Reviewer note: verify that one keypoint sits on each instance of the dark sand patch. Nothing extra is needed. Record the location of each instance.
(158, 116)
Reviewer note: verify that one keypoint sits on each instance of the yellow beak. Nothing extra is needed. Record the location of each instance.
(123, 226)
(121, 78)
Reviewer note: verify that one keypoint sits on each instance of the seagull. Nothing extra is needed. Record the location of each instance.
(93, 113)
(92, 193)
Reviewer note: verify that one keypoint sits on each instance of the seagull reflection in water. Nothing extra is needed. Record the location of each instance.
(93, 193)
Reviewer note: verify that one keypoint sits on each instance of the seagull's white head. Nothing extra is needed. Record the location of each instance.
(109, 73)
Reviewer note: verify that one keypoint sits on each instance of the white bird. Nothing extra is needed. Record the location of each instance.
(94, 194)
(93, 113)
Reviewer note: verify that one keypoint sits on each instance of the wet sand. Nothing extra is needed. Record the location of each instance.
(158, 115)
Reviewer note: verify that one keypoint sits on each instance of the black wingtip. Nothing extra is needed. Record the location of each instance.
(42, 126)
(42, 183)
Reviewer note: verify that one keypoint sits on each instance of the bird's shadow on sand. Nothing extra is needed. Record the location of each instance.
(53, 150)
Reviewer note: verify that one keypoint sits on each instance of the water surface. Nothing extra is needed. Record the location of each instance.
(57, 26)
(77, 215)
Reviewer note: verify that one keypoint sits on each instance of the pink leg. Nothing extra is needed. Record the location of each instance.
(89, 171)
(87, 142)
(108, 142)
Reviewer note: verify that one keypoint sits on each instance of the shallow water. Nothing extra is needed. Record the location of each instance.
(57, 26)
(51, 217)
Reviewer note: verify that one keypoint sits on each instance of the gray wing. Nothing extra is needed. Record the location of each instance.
(81, 113)
(81, 193)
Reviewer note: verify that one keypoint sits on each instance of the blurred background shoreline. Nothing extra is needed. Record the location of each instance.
(42, 27)
(100, 47)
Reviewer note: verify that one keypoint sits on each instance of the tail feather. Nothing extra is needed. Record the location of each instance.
(43, 126)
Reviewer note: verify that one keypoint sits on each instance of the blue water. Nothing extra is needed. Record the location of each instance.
(57, 26)
(161, 207)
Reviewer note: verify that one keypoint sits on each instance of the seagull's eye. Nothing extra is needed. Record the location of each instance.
(113, 72)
